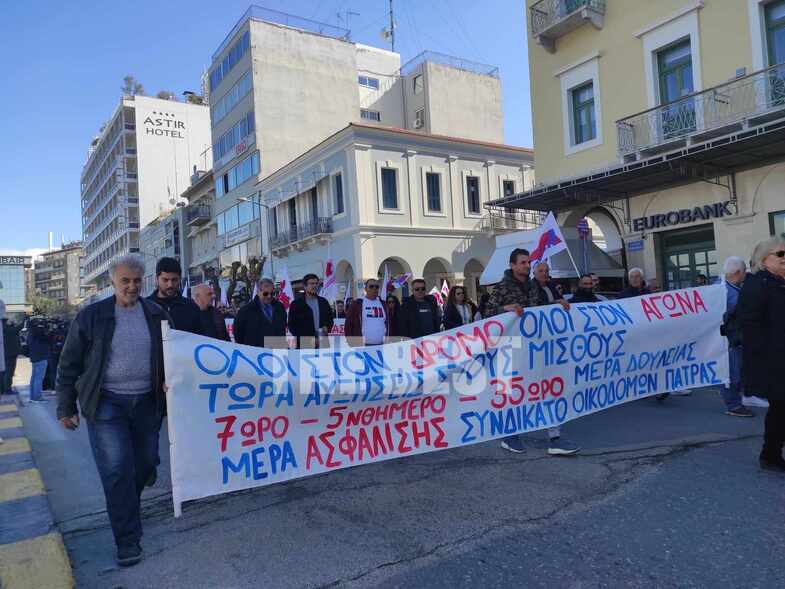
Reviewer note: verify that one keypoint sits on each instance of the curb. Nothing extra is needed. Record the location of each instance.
(32, 553)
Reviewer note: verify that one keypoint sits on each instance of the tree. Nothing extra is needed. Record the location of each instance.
(45, 306)
(166, 95)
(131, 87)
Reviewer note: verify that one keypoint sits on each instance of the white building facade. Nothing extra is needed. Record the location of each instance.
(280, 85)
(375, 197)
(135, 170)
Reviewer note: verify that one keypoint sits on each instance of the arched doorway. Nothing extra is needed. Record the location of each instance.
(435, 271)
(471, 278)
(344, 276)
(396, 267)
(605, 232)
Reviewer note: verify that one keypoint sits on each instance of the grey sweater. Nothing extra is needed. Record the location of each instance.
(128, 370)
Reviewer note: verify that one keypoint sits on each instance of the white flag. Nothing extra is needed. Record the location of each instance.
(253, 296)
(185, 288)
(550, 241)
(385, 282)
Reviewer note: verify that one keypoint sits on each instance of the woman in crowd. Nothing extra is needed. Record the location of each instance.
(393, 305)
(761, 314)
(458, 310)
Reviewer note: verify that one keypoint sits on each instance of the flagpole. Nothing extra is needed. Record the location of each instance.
(574, 265)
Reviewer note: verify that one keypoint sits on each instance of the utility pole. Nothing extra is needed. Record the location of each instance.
(392, 26)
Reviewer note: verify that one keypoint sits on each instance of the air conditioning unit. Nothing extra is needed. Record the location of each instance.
(419, 123)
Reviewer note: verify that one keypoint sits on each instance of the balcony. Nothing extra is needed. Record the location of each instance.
(551, 19)
(734, 106)
(300, 236)
(503, 220)
(196, 215)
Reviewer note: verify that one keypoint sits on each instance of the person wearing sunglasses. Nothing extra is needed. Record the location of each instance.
(761, 315)
(262, 321)
(458, 310)
(367, 321)
(419, 314)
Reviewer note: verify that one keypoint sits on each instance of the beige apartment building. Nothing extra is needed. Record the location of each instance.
(663, 123)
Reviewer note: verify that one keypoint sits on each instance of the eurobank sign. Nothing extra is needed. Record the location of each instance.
(682, 216)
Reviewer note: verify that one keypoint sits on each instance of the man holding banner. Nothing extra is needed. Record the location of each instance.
(261, 322)
(516, 291)
(419, 314)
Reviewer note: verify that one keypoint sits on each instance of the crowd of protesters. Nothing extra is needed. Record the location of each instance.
(110, 366)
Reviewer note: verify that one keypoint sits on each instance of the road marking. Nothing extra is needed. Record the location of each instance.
(24, 483)
(15, 446)
(10, 422)
(40, 562)
(7, 408)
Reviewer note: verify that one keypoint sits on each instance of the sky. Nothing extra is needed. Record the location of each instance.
(63, 63)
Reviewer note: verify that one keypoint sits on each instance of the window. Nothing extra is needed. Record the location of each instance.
(224, 106)
(274, 220)
(583, 119)
(389, 188)
(339, 207)
(293, 215)
(417, 84)
(229, 140)
(314, 203)
(231, 59)
(775, 31)
(370, 115)
(473, 194)
(508, 187)
(777, 223)
(368, 82)
(419, 119)
(674, 66)
(245, 212)
(236, 175)
(231, 219)
(434, 192)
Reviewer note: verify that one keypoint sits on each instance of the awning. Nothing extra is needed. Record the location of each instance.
(561, 266)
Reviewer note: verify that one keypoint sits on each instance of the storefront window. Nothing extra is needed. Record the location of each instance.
(777, 223)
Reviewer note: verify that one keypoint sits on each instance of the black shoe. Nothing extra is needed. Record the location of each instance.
(129, 555)
(773, 465)
(662, 396)
(152, 478)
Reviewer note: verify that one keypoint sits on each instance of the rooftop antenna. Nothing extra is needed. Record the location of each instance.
(347, 21)
(389, 33)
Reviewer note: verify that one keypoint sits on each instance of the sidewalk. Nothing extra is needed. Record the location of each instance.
(32, 554)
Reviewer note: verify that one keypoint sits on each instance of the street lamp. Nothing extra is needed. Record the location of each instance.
(258, 201)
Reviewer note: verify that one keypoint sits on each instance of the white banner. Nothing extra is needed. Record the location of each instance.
(242, 417)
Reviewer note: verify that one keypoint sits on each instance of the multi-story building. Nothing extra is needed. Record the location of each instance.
(280, 85)
(136, 167)
(13, 283)
(202, 239)
(164, 236)
(664, 123)
(58, 274)
(375, 197)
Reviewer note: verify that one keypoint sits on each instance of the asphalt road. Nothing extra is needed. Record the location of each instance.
(664, 495)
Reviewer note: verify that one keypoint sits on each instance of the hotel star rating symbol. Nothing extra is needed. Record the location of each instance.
(164, 114)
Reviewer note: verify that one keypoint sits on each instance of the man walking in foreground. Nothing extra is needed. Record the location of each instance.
(516, 291)
(112, 364)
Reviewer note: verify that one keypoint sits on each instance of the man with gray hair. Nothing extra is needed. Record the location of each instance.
(637, 284)
(112, 365)
(735, 271)
(262, 322)
(210, 320)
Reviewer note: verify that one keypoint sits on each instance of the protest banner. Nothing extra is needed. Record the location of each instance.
(242, 417)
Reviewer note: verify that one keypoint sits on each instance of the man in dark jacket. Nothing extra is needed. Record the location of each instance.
(545, 287)
(637, 286)
(585, 292)
(262, 321)
(183, 312)
(211, 322)
(310, 316)
(11, 350)
(112, 364)
(515, 292)
(419, 314)
(38, 352)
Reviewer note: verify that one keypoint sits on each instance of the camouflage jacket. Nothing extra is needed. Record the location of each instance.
(511, 291)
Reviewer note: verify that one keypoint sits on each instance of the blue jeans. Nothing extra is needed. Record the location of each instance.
(124, 439)
(731, 394)
(37, 380)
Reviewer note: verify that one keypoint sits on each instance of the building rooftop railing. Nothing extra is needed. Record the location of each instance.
(719, 110)
(482, 69)
(255, 12)
(548, 13)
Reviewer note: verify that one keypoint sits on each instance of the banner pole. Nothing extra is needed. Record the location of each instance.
(574, 265)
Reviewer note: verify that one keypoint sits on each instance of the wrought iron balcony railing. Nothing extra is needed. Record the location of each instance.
(197, 215)
(551, 19)
(318, 226)
(748, 100)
